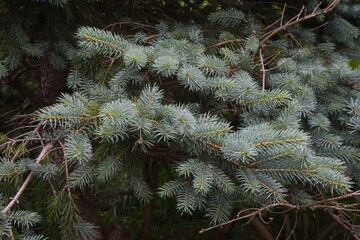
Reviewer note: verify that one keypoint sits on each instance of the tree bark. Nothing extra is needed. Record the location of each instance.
(52, 81)
(262, 229)
(87, 208)
(152, 174)
(13, 81)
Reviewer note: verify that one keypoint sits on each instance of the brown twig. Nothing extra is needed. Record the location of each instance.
(282, 15)
(250, 215)
(225, 42)
(15, 199)
(316, 204)
(353, 194)
(263, 70)
(297, 19)
(139, 25)
(66, 172)
(320, 26)
(344, 224)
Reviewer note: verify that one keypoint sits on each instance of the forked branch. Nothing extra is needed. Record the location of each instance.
(329, 203)
(298, 18)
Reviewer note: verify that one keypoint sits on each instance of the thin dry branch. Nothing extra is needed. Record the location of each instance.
(299, 18)
(263, 70)
(317, 204)
(345, 224)
(250, 215)
(225, 42)
(45, 151)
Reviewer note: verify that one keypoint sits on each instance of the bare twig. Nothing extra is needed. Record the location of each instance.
(282, 15)
(225, 42)
(254, 213)
(299, 18)
(15, 199)
(66, 172)
(274, 23)
(344, 224)
(320, 26)
(139, 25)
(343, 208)
(286, 219)
(293, 229)
(353, 194)
(263, 70)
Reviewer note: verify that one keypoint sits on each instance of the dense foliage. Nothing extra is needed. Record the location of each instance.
(228, 118)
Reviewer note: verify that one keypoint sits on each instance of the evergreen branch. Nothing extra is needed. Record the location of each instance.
(207, 143)
(271, 189)
(280, 155)
(45, 151)
(351, 31)
(81, 177)
(63, 117)
(306, 171)
(104, 42)
(332, 182)
(275, 142)
(281, 97)
(24, 218)
(212, 132)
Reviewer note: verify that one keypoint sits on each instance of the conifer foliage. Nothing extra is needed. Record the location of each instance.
(247, 113)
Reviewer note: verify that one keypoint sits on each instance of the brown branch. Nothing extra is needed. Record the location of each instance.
(320, 26)
(263, 70)
(354, 194)
(66, 171)
(250, 215)
(316, 204)
(225, 42)
(15, 199)
(297, 19)
(282, 15)
(344, 225)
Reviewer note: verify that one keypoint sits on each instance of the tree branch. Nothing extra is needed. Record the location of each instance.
(15, 199)
(289, 207)
(298, 19)
(263, 70)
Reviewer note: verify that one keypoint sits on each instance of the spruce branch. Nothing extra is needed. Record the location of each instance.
(45, 151)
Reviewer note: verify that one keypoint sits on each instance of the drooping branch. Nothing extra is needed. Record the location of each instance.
(45, 151)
